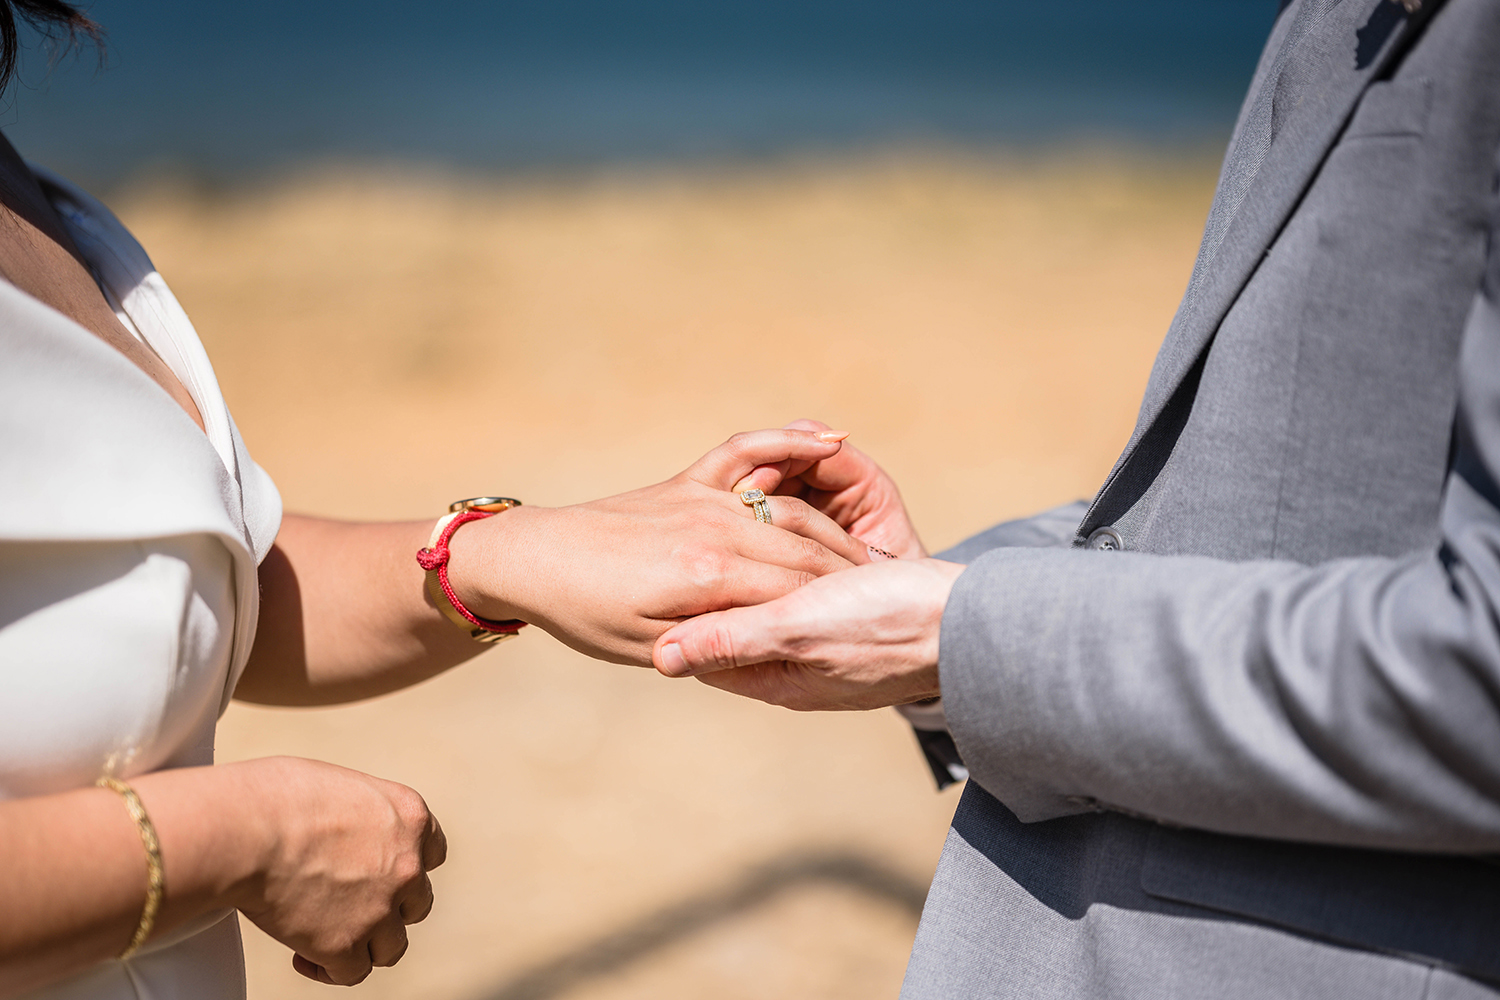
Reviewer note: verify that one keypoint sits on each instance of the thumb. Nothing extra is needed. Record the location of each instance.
(720, 640)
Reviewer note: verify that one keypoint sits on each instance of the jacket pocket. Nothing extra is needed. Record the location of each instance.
(1392, 108)
(1438, 909)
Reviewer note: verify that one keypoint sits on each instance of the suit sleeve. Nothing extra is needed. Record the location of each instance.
(1354, 702)
(1050, 528)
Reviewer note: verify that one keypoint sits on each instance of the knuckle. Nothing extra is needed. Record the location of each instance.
(421, 908)
(718, 647)
(738, 443)
(794, 513)
(410, 807)
(816, 553)
(346, 941)
(394, 950)
(704, 567)
(349, 965)
(436, 849)
(408, 868)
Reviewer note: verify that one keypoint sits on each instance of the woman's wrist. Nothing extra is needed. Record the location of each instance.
(215, 829)
(491, 563)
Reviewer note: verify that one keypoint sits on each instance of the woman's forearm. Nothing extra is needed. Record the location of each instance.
(328, 861)
(345, 615)
(74, 878)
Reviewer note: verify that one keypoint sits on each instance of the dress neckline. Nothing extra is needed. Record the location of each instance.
(143, 303)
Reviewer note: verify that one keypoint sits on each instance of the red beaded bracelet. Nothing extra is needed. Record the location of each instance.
(434, 559)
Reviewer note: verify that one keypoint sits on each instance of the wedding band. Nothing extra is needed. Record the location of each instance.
(757, 499)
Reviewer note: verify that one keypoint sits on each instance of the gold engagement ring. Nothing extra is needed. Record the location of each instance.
(757, 499)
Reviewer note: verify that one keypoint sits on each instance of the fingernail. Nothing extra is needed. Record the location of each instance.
(832, 435)
(673, 663)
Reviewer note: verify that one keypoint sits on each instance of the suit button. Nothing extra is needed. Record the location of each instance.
(1106, 540)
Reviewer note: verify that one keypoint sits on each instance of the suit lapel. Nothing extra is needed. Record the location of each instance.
(1285, 134)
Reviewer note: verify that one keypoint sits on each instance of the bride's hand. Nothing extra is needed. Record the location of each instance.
(851, 489)
(608, 577)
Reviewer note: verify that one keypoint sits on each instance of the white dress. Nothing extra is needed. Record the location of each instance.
(129, 542)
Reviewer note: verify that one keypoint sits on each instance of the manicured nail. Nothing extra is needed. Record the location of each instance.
(673, 664)
(832, 435)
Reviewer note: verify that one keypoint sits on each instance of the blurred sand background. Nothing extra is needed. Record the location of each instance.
(983, 325)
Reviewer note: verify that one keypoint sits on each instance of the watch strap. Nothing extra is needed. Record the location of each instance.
(434, 560)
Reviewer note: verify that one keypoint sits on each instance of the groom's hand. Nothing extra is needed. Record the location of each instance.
(851, 489)
(863, 638)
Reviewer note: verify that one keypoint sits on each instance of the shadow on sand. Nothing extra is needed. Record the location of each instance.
(757, 886)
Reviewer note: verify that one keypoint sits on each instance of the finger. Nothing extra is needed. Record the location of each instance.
(434, 845)
(311, 970)
(744, 582)
(763, 477)
(832, 548)
(349, 970)
(772, 683)
(418, 902)
(769, 477)
(772, 478)
(782, 477)
(735, 458)
(388, 944)
(722, 640)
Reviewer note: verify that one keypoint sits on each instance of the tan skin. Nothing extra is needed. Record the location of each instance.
(854, 641)
(38, 257)
(331, 862)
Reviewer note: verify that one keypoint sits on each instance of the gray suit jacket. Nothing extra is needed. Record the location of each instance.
(1241, 738)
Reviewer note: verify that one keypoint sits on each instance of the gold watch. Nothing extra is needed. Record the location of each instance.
(434, 559)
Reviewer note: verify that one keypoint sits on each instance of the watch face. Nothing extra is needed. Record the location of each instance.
(490, 505)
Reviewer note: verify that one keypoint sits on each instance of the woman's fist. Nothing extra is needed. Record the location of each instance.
(344, 865)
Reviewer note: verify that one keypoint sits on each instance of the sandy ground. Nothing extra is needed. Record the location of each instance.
(983, 325)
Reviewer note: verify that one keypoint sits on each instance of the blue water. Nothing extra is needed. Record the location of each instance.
(233, 90)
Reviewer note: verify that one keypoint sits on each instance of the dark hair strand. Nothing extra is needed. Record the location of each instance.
(52, 18)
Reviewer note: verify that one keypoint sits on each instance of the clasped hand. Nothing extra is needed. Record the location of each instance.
(608, 577)
(832, 606)
(859, 639)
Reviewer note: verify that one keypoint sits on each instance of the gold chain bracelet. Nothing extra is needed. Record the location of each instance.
(156, 876)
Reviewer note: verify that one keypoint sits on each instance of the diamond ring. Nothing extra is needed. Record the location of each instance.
(757, 499)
